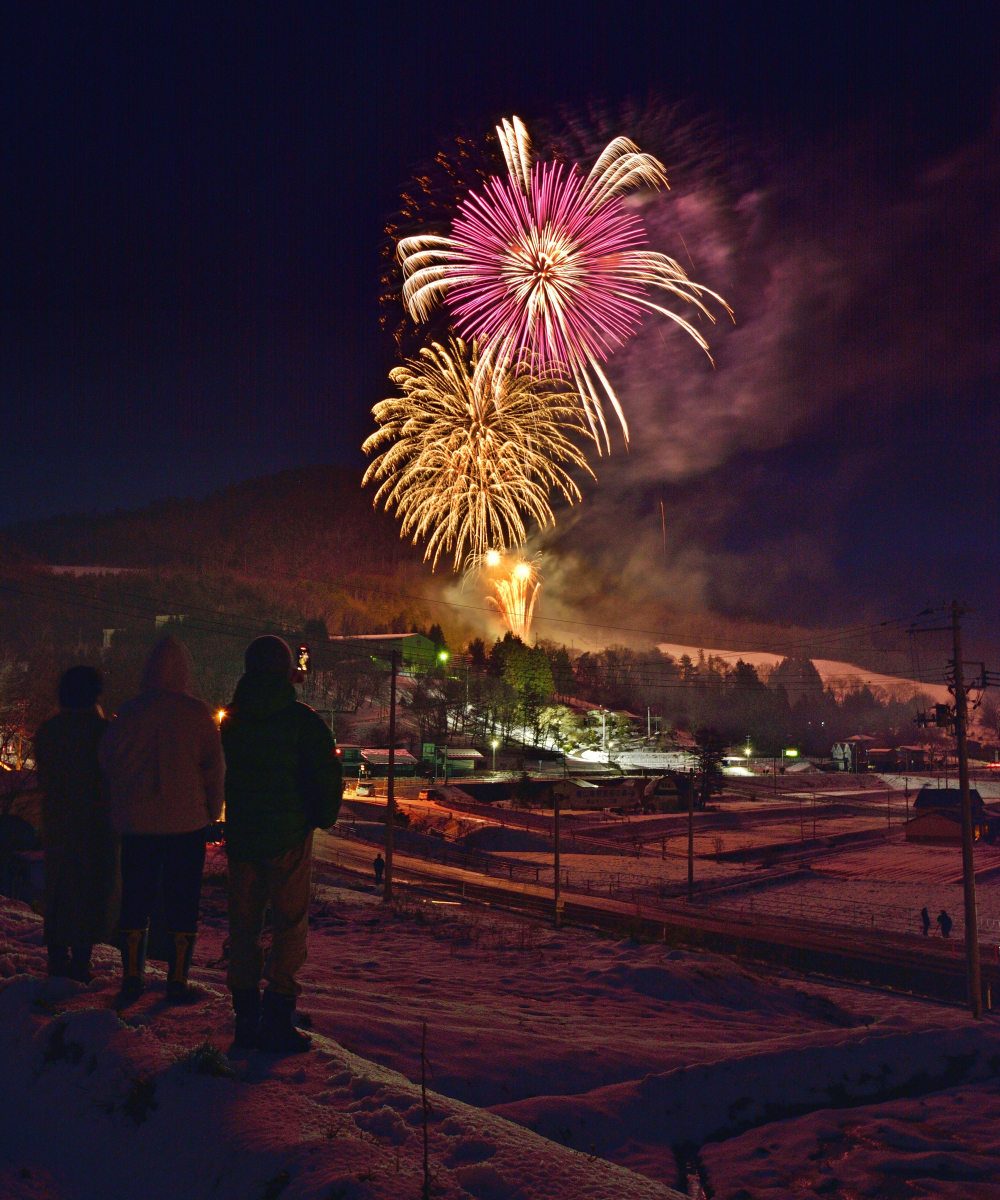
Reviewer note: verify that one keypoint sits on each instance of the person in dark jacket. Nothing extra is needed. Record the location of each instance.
(925, 920)
(81, 849)
(283, 780)
(379, 868)
(945, 923)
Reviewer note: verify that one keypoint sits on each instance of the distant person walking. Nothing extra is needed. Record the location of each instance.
(162, 757)
(945, 922)
(81, 849)
(283, 780)
(925, 920)
(379, 865)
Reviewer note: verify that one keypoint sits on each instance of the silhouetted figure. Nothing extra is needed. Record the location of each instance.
(379, 865)
(945, 923)
(283, 780)
(81, 849)
(925, 920)
(162, 758)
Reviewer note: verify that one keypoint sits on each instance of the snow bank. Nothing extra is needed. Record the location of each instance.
(142, 1104)
(941, 1145)
(712, 1101)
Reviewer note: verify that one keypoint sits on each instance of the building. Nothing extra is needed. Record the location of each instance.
(463, 760)
(375, 763)
(360, 762)
(852, 753)
(913, 758)
(883, 759)
(417, 654)
(575, 794)
(937, 818)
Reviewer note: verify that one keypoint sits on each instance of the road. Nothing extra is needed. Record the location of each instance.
(906, 963)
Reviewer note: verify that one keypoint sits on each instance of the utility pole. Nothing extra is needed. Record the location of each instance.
(555, 853)
(968, 842)
(959, 717)
(390, 790)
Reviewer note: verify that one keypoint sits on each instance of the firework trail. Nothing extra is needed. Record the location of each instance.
(515, 593)
(473, 448)
(548, 267)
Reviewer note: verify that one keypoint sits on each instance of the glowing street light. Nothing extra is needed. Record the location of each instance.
(443, 656)
(494, 744)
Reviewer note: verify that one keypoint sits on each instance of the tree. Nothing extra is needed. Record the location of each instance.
(989, 716)
(477, 654)
(563, 679)
(711, 750)
(799, 677)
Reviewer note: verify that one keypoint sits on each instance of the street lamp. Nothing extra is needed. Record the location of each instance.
(494, 744)
(443, 656)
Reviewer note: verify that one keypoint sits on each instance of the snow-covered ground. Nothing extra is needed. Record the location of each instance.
(938, 1145)
(561, 1063)
(101, 1106)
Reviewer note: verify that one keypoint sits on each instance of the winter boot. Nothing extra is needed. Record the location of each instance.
(133, 949)
(79, 967)
(58, 957)
(246, 1006)
(180, 947)
(277, 1033)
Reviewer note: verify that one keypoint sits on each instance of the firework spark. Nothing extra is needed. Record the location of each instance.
(474, 449)
(515, 593)
(548, 267)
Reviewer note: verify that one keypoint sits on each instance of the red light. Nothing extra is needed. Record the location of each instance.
(337, 750)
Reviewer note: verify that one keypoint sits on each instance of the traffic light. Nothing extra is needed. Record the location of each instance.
(943, 716)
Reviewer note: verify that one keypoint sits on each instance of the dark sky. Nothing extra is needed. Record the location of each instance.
(194, 196)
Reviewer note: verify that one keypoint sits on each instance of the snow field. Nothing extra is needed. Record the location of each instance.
(944, 1145)
(97, 1104)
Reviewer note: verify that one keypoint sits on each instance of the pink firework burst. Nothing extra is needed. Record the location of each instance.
(544, 276)
(548, 269)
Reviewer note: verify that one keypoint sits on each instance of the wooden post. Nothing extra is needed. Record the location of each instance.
(390, 792)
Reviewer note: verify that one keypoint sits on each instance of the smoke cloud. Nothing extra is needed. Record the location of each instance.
(826, 468)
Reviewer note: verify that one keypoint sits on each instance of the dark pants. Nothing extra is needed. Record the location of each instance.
(284, 884)
(179, 858)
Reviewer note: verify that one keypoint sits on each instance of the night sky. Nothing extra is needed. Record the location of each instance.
(194, 198)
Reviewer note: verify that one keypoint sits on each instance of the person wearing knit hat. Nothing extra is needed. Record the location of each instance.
(283, 780)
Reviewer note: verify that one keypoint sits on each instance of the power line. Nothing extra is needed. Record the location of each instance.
(210, 620)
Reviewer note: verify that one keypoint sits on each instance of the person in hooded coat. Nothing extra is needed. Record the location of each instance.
(81, 848)
(283, 780)
(162, 758)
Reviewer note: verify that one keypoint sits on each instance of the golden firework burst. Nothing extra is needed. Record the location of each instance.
(473, 449)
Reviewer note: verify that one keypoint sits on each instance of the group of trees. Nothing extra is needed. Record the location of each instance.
(788, 706)
(510, 687)
(493, 692)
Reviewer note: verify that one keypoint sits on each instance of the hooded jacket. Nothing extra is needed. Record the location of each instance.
(162, 756)
(282, 775)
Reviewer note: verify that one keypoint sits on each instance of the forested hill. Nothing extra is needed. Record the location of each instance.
(311, 520)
